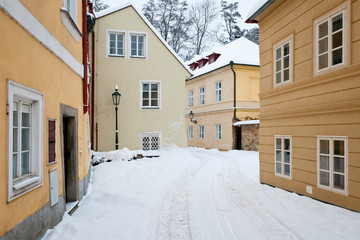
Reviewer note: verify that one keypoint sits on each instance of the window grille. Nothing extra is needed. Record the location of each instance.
(150, 141)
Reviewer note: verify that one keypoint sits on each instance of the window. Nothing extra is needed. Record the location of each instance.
(191, 98)
(201, 132)
(283, 156)
(218, 92)
(138, 45)
(116, 44)
(68, 13)
(283, 61)
(332, 163)
(330, 41)
(150, 94)
(150, 141)
(202, 95)
(51, 141)
(191, 132)
(25, 131)
(218, 131)
(71, 7)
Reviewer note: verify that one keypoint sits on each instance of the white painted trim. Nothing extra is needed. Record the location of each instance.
(24, 18)
(290, 40)
(145, 34)
(116, 31)
(70, 24)
(282, 137)
(160, 95)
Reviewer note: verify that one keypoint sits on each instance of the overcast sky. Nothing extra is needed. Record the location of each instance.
(244, 6)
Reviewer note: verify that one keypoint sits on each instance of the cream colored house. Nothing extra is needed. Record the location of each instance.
(44, 147)
(310, 98)
(223, 90)
(130, 53)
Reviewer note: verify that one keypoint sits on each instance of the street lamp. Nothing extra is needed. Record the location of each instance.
(191, 115)
(116, 100)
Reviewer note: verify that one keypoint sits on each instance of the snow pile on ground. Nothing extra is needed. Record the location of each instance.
(195, 193)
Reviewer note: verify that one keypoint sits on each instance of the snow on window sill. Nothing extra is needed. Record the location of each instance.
(70, 24)
(25, 183)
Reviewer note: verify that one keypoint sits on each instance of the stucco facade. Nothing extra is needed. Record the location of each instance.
(310, 118)
(154, 66)
(213, 112)
(41, 80)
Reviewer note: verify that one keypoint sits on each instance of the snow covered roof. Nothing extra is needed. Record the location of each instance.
(129, 4)
(240, 51)
(258, 7)
(239, 123)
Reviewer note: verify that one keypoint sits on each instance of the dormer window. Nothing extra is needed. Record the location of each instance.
(193, 65)
(213, 57)
(202, 62)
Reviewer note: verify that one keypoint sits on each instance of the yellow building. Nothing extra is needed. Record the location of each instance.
(224, 89)
(310, 98)
(129, 53)
(44, 147)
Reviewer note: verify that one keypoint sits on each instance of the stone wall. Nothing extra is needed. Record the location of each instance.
(250, 137)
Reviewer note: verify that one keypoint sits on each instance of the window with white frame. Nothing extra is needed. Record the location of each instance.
(150, 94)
(218, 131)
(191, 132)
(138, 45)
(332, 163)
(201, 132)
(71, 7)
(283, 61)
(202, 96)
(191, 98)
(283, 156)
(25, 131)
(116, 43)
(218, 89)
(330, 41)
(150, 141)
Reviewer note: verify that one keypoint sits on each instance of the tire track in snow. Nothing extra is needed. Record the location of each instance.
(174, 217)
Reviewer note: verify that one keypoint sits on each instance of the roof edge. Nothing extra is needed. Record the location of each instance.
(252, 19)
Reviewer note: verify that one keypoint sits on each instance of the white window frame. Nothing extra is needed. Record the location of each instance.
(218, 132)
(280, 45)
(345, 10)
(117, 32)
(145, 50)
(282, 160)
(69, 18)
(331, 155)
(218, 91)
(191, 98)
(150, 136)
(20, 186)
(201, 132)
(202, 96)
(191, 132)
(141, 94)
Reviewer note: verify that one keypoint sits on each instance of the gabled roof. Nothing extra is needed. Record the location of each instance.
(241, 51)
(123, 6)
(258, 8)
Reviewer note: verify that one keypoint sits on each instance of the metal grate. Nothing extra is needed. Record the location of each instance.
(150, 141)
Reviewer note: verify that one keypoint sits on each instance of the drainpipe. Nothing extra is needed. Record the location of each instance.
(232, 69)
(92, 109)
(85, 57)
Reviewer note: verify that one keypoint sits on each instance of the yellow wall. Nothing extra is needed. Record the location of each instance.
(26, 61)
(313, 104)
(127, 73)
(211, 113)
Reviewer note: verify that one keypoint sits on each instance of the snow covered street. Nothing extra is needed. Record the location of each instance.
(192, 193)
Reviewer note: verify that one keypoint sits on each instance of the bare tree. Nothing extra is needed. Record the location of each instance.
(99, 5)
(201, 16)
(170, 18)
(253, 35)
(230, 14)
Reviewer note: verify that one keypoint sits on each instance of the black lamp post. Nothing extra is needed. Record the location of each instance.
(116, 100)
(191, 115)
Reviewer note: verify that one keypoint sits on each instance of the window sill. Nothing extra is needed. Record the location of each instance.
(113, 55)
(141, 57)
(25, 183)
(70, 24)
(150, 107)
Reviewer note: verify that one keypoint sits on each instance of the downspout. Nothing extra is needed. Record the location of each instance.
(232, 69)
(92, 109)
(85, 58)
